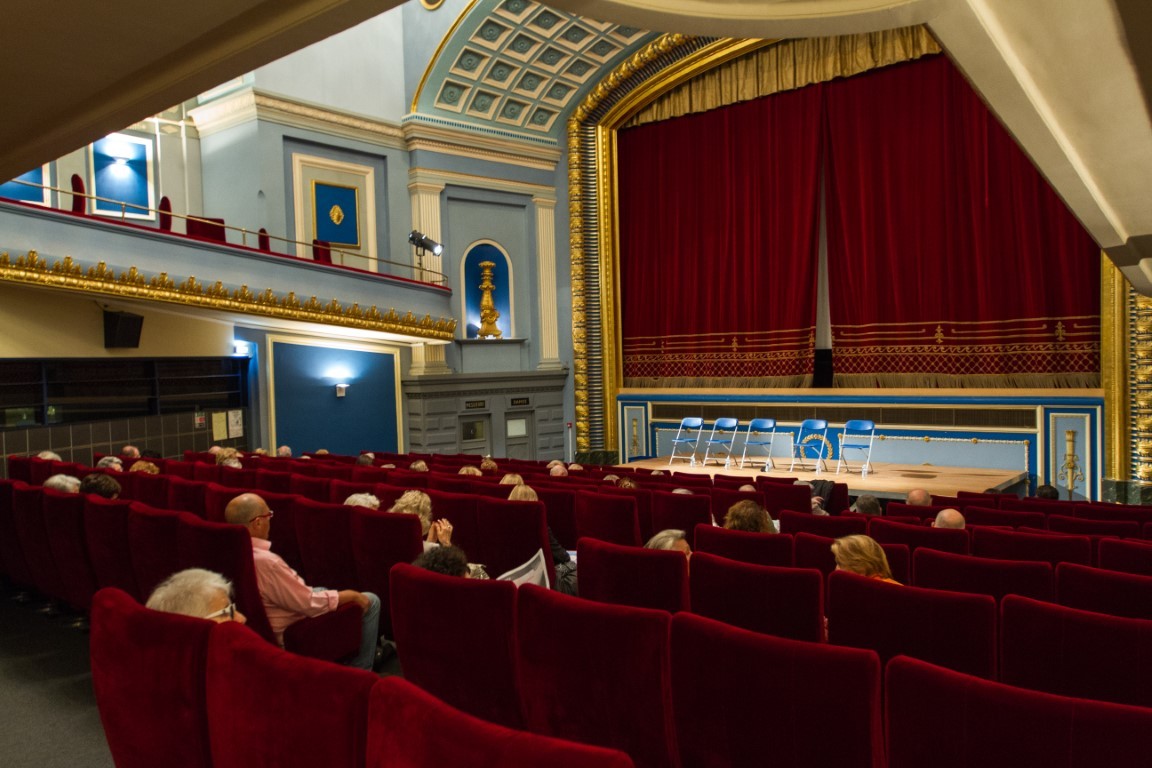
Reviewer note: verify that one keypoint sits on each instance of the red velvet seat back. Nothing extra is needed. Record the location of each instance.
(1016, 545)
(952, 629)
(154, 541)
(509, 534)
(723, 498)
(986, 499)
(560, 508)
(1045, 506)
(380, 540)
(405, 726)
(812, 551)
(643, 497)
(283, 533)
(41, 470)
(1111, 592)
(11, 553)
(270, 707)
(963, 502)
(217, 496)
(232, 477)
(460, 510)
(28, 516)
(20, 468)
(148, 672)
(64, 524)
(187, 495)
(277, 482)
(324, 534)
(406, 478)
(608, 518)
(982, 575)
(106, 539)
(151, 489)
(182, 469)
(464, 652)
(206, 472)
(339, 490)
(1140, 514)
(778, 496)
(982, 515)
(900, 509)
(315, 488)
(625, 575)
(745, 699)
(334, 471)
(785, 602)
(596, 673)
(681, 512)
(944, 719)
(821, 525)
(1052, 648)
(1126, 556)
(756, 548)
(916, 536)
(450, 483)
(1125, 529)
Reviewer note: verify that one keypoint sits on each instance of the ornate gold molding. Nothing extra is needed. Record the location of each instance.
(1114, 290)
(68, 275)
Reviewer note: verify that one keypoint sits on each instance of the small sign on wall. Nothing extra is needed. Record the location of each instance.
(521, 401)
(235, 424)
(475, 405)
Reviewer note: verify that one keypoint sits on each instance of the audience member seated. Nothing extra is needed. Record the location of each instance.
(418, 466)
(817, 501)
(470, 470)
(670, 539)
(554, 463)
(436, 532)
(1047, 492)
(144, 466)
(49, 456)
(627, 482)
(559, 470)
(863, 556)
(867, 504)
(63, 483)
(215, 449)
(229, 457)
(918, 497)
(512, 478)
(747, 488)
(613, 479)
(130, 452)
(365, 459)
(362, 500)
(286, 597)
(565, 566)
(319, 452)
(749, 516)
(198, 593)
(447, 560)
(284, 451)
(682, 491)
(574, 467)
(101, 485)
(488, 465)
(110, 463)
(948, 518)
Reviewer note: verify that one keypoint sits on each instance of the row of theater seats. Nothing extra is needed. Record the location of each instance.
(949, 617)
(187, 693)
(683, 689)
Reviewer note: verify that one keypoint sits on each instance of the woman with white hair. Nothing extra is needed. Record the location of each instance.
(196, 592)
(362, 500)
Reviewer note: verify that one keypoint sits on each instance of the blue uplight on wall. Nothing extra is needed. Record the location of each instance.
(122, 173)
(501, 296)
(13, 190)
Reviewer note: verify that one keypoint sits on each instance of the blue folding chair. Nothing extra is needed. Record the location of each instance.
(726, 428)
(858, 436)
(810, 441)
(684, 440)
(761, 434)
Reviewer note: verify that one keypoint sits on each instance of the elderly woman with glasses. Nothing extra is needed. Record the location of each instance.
(196, 592)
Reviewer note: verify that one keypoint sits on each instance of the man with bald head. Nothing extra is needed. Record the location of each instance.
(286, 597)
(948, 518)
(918, 497)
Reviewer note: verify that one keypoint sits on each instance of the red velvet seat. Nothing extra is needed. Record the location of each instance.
(285, 541)
(150, 489)
(779, 496)
(1139, 514)
(11, 553)
(186, 495)
(812, 551)
(745, 699)
(28, 517)
(380, 540)
(1111, 592)
(626, 575)
(756, 548)
(982, 575)
(596, 673)
(1125, 529)
(608, 518)
(232, 477)
(916, 536)
(1127, 556)
(153, 537)
(277, 482)
(785, 602)
(1017, 545)
(339, 490)
(148, 672)
(207, 228)
(821, 525)
(953, 629)
(945, 719)
(509, 534)
(315, 488)
(64, 525)
(1048, 647)
(962, 502)
(217, 496)
(981, 515)
(324, 535)
(463, 651)
(20, 468)
(723, 498)
(560, 508)
(206, 472)
(334, 471)
(1046, 506)
(182, 469)
(406, 725)
(681, 512)
(987, 499)
(164, 217)
(106, 540)
(268, 707)
(460, 510)
(900, 509)
(643, 497)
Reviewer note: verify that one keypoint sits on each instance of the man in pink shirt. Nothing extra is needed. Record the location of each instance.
(286, 597)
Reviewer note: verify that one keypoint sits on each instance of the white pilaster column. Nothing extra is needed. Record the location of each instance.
(425, 198)
(546, 269)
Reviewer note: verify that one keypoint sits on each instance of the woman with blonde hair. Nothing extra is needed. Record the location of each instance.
(470, 470)
(436, 532)
(565, 566)
(512, 478)
(863, 556)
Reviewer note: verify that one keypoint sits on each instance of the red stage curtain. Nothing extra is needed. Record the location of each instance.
(951, 260)
(719, 216)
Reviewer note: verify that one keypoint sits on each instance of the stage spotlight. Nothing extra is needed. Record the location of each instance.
(425, 243)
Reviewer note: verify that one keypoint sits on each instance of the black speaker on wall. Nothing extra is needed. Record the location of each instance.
(822, 369)
(122, 329)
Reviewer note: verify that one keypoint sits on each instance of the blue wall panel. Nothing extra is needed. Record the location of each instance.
(309, 415)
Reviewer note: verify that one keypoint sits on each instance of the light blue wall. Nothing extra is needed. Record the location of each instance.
(423, 31)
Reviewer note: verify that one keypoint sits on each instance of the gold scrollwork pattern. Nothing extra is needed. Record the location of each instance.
(66, 274)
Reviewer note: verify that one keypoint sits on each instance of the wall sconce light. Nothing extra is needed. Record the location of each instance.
(341, 390)
(240, 348)
(424, 243)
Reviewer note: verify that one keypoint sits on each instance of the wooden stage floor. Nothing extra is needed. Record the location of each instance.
(886, 481)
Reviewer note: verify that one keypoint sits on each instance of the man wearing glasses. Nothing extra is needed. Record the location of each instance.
(286, 597)
(196, 592)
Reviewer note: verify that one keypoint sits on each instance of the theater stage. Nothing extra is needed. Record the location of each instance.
(885, 481)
